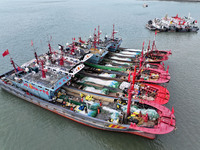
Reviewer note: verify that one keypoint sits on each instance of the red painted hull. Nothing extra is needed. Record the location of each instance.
(162, 128)
(162, 94)
(164, 76)
(156, 66)
(160, 53)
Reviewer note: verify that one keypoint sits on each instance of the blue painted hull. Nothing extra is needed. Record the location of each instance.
(96, 58)
(115, 46)
(77, 117)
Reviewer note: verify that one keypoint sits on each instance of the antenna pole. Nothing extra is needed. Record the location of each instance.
(36, 57)
(113, 33)
(50, 48)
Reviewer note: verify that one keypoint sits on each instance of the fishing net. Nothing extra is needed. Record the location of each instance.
(109, 83)
(100, 91)
(108, 75)
(95, 106)
(92, 113)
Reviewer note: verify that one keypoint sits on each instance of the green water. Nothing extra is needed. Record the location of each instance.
(24, 126)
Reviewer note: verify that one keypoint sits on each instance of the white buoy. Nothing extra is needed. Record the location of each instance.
(26, 69)
(36, 65)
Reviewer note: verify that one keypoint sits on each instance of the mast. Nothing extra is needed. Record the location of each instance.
(129, 102)
(73, 44)
(154, 42)
(153, 46)
(34, 52)
(113, 33)
(36, 57)
(12, 62)
(98, 35)
(141, 58)
(95, 39)
(148, 48)
(134, 75)
(43, 70)
(61, 59)
(130, 93)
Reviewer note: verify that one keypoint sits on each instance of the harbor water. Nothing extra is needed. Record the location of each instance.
(24, 126)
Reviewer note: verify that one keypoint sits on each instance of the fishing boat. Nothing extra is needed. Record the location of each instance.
(128, 56)
(116, 84)
(98, 53)
(148, 59)
(173, 24)
(68, 54)
(111, 43)
(121, 60)
(147, 75)
(116, 41)
(110, 64)
(47, 89)
(145, 5)
(122, 55)
(154, 51)
(97, 41)
(126, 66)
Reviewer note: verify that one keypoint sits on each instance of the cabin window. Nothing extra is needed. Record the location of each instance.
(40, 87)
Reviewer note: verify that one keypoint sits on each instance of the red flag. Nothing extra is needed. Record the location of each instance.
(172, 109)
(167, 69)
(31, 43)
(155, 32)
(5, 53)
(19, 69)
